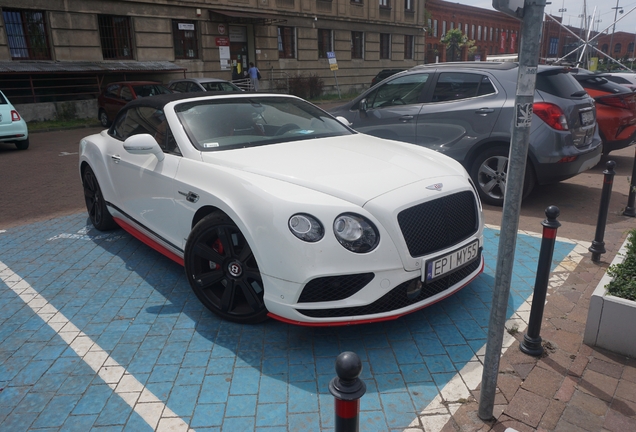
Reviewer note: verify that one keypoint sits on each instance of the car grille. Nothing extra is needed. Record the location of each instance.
(334, 287)
(438, 224)
(397, 298)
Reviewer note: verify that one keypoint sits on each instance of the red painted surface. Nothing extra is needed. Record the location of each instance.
(148, 241)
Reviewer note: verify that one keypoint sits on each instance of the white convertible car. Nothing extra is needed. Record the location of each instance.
(275, 208)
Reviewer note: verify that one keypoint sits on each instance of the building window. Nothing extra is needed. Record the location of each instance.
(115, 36)
(286, 42)
(434, 28)
(385, 3)
(430, 25)
(630, 47)
(472, 32)
(26, 34)
(408, 47)
(408, 5)
(617, 48)
(478, 32)
(385, 46)
(325, 42)
(357, 45)
(466, 29)
(491, 34)
(356, 1)
(185, 39)
(443, 28)
(452, 25)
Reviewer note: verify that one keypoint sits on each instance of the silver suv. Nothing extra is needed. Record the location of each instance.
(466, 111)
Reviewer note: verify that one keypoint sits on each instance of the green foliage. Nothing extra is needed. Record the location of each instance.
(306, 87)
(455, 40)
(624, 283)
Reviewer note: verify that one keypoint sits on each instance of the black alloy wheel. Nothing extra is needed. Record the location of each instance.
(95, 203)
(222, 270)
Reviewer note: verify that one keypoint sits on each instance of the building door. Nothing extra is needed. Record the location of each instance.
(238, 51)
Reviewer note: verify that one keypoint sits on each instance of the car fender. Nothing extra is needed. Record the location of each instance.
(94, 154)
(257, 204)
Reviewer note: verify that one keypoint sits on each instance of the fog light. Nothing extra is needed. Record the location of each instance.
(414, 289)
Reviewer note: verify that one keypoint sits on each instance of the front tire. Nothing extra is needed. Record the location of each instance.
(489, 172)
(222, 270)
(95, 203)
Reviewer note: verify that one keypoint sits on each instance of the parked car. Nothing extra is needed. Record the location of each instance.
(201, 84)
(13, 128)
(276, 208)
(384, 74)
(118, 94)
(626, 79)
(615, 109)
(467, 110)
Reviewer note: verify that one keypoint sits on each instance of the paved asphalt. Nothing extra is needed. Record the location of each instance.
(99, 332)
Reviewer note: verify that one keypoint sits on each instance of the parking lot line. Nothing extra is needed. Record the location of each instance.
(135, 394)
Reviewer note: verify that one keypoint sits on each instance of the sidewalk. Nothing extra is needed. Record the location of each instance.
(573, 387)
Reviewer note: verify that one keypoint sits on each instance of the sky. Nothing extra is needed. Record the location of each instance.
(574, 8)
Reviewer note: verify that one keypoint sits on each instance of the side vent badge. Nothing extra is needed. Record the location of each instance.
(437, 186)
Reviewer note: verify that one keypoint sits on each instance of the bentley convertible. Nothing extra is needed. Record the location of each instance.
(275, 208)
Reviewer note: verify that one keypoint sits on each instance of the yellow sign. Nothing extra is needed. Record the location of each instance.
(593, 65)
(333, 66)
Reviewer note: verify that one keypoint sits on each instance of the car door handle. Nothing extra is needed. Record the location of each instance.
(116, 158)
(484, 111)
(406, 118)
(190, 196)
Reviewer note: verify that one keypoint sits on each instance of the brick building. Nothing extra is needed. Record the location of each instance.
(52, 50)
(494, 33)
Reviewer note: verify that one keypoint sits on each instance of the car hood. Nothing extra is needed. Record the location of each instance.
(356, 168)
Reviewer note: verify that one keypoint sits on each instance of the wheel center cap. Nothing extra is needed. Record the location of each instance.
(235, 269)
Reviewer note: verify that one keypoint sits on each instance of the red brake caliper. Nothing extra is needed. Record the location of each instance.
(218, 247)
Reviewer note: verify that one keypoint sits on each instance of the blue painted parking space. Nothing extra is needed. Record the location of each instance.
(99, 332)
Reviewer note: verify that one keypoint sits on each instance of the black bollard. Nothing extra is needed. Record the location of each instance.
(347, 389)
(531, 343)
(598, 245)
(629, 210)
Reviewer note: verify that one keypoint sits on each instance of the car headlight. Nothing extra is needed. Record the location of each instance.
(356, 233)
(306, 227)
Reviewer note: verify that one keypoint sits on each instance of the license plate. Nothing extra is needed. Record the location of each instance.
(587, 118)
(440, 266)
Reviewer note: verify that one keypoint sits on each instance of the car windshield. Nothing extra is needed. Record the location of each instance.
(146, 90)
(222, 124)
(219, 86)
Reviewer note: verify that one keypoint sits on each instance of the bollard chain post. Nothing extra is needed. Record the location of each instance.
(347, 390)
(531, 343)
(598, 245)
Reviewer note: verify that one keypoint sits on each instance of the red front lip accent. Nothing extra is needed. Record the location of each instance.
(371, 320)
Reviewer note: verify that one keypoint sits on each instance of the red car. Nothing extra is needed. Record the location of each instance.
(118, 94)
(615, 110)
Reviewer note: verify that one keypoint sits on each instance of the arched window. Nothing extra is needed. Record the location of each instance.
(617, 48)
(604, 48)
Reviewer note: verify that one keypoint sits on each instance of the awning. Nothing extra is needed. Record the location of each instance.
(238, 17)
(7, 67)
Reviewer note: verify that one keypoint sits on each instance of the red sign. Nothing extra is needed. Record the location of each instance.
(513, 41)
(222, 41)
(502, 45)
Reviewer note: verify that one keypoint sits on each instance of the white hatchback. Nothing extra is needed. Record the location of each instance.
(13, 128)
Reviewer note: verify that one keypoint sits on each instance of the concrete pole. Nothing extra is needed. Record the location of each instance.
(526, 81)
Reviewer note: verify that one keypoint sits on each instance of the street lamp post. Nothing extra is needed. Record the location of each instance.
(559, 35)
(611, 48)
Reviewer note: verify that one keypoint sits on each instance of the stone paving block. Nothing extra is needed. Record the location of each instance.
(580, 418)
(542, 382)
(527, 407)
(617, 422)
(601, 386)
(552, 415)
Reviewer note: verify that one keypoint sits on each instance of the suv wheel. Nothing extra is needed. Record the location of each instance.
(489, 172)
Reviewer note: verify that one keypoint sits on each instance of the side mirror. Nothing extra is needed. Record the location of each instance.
(363, 105)
(144, 144)
(344, 121)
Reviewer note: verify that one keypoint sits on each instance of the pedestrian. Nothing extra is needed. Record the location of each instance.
(254, 75)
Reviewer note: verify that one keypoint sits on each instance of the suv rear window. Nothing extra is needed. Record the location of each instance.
(560, 83)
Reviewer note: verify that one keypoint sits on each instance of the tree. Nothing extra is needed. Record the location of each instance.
(455, 41)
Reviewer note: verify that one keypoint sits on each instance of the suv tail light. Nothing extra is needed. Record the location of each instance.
(552, 115)
(15, 116)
